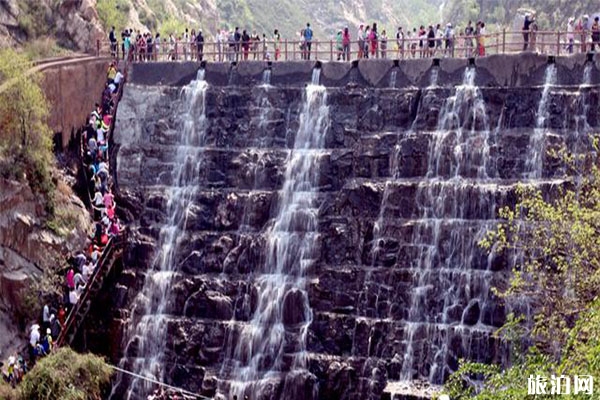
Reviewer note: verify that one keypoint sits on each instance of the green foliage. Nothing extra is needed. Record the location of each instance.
(66, 375)
(556, 237)
(34, 18)
(559, 243)
(236, 13)
(581, 356)
(172, 25)
(7, 392)
(45, 288)
(42, 48)
(25, 139)
(113, 13)
(62, 222)
(551, 14)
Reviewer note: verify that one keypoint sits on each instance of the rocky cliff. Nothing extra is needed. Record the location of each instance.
(414, 163)
(74, 23)
(30, 249)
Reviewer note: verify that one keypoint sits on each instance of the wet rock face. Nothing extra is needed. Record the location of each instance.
(377, 200)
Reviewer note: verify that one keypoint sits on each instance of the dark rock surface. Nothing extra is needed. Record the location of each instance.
(361, 287)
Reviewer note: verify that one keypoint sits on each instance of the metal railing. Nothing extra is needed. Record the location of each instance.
(103, 267)
(504, 42)
(115, 243)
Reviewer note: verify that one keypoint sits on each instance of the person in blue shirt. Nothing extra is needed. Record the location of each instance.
(308, 35)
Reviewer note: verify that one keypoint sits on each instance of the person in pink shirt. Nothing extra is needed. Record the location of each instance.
(71, 279)
(109, 199)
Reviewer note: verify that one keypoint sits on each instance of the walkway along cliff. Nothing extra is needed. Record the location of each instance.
(294, 242)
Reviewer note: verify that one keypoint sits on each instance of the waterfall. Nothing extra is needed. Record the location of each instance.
(271, 347)
(378, 227)
(266, 78)
(537, 143)
(581, 120)
(446, 245)
(146, 333)
(433, 78)
(393, 77)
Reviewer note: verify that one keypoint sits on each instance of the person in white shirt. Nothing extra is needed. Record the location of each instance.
(34, 338)
(360, 35)
(88, 270)
(186, 44)
(571, 34)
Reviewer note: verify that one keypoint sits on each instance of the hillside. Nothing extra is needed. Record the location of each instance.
(265, 15)
(551, 14)
(69, 24)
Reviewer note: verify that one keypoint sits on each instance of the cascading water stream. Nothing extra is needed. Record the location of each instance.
(433, 78)
(393, 78)
(537, 143)
(146, 333)
(266, 78)
(457, 167)
(282, 315)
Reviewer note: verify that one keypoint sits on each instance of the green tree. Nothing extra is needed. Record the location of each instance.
(25, 138)
(555, 237)
(66, 375)
(113, 13)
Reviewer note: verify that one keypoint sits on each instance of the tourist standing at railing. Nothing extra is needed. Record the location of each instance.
(255, 40)
(583, 29)
(412, 42)
(185, 44)
(400, 42)
(383, 41)
(276, 44)
(367, 41)
(339, 44)
(439, 39)
(171, 52)
(149, 47)
(193, 47)
(526, 27)
(112, 37)
(346, 44)
(245, 44)
(481, 39)
(595, 33)
(237, 38)
(469, 31)
(156, 44)
(200, 45)
(360, 37)
(373, 39)
(570, 34)
(265, 49)
(422, 38)
(141, 45)
(449, 37)
(308, 36)
(126, 45)
(430, 41)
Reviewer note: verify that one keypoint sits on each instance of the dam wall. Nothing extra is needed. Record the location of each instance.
(373, 182)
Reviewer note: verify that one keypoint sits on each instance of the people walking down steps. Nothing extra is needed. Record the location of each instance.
(82, 265)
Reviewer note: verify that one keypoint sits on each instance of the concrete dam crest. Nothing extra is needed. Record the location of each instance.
(308, 230)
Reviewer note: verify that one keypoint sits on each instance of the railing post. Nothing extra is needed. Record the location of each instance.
(558, 43)
(285, 44)
(503, 40)
(97, 47)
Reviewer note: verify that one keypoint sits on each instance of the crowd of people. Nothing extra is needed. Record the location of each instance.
(434, 40)
(82, 265)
